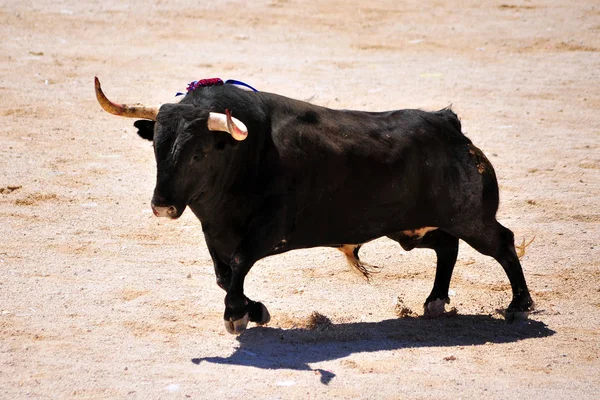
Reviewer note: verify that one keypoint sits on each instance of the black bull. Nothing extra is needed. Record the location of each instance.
(309, 176)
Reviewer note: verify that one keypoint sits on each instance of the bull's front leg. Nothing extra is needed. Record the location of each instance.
(257, 312)
(239, 309)
(265, 230)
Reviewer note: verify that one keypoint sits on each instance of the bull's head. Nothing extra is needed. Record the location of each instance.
(181, 145)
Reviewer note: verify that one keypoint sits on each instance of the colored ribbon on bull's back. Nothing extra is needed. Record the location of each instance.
(213, 82)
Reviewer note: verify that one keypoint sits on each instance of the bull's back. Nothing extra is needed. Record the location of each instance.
(375, 174)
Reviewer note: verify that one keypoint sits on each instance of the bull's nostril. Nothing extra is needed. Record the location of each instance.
(165, 211)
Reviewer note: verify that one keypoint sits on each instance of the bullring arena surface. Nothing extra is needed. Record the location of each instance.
(99, 299)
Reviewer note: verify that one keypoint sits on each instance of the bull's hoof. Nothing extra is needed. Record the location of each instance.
(258, 313)
(519, 308)
(238, 326)
(434, 308)
(265, 316)
(511, 316)
(437, 308)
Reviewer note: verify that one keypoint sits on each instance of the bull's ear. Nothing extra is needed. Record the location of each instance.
(145, 128)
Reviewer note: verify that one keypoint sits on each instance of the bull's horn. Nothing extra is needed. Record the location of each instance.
(124, 110)
(226, 123)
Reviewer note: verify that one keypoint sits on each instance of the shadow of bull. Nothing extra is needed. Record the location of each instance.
(296, 348)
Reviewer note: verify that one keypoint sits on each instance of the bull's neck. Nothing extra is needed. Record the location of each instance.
(229, 188)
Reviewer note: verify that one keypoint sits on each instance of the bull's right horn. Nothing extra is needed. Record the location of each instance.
(226, 123)
(124, 110)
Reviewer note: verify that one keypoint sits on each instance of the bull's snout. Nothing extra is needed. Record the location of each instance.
(165, 211)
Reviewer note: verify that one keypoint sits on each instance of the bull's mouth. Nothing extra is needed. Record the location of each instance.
(170, 212)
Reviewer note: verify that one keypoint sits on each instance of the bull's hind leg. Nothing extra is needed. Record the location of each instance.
(446, 250)
(493, 239)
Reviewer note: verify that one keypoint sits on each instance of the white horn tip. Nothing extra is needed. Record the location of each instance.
(226, 123)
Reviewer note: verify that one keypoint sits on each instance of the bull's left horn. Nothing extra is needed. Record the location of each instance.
(124, 110)
(226, 123)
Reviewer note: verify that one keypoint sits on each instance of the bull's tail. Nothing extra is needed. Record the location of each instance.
(351, 253)
(523, 247)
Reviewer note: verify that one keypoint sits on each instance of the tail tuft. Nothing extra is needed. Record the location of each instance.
(523, 246)
(364, 269)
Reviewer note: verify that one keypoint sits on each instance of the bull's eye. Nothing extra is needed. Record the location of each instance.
(198, 156)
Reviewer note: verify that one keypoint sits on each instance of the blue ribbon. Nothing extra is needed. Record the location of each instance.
(234, 82)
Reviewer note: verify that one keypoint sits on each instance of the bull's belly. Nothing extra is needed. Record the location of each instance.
(322, 227)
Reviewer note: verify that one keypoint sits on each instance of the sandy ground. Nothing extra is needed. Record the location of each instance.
(99, 299)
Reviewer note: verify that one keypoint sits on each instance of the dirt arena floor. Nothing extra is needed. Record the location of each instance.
(99, 299)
